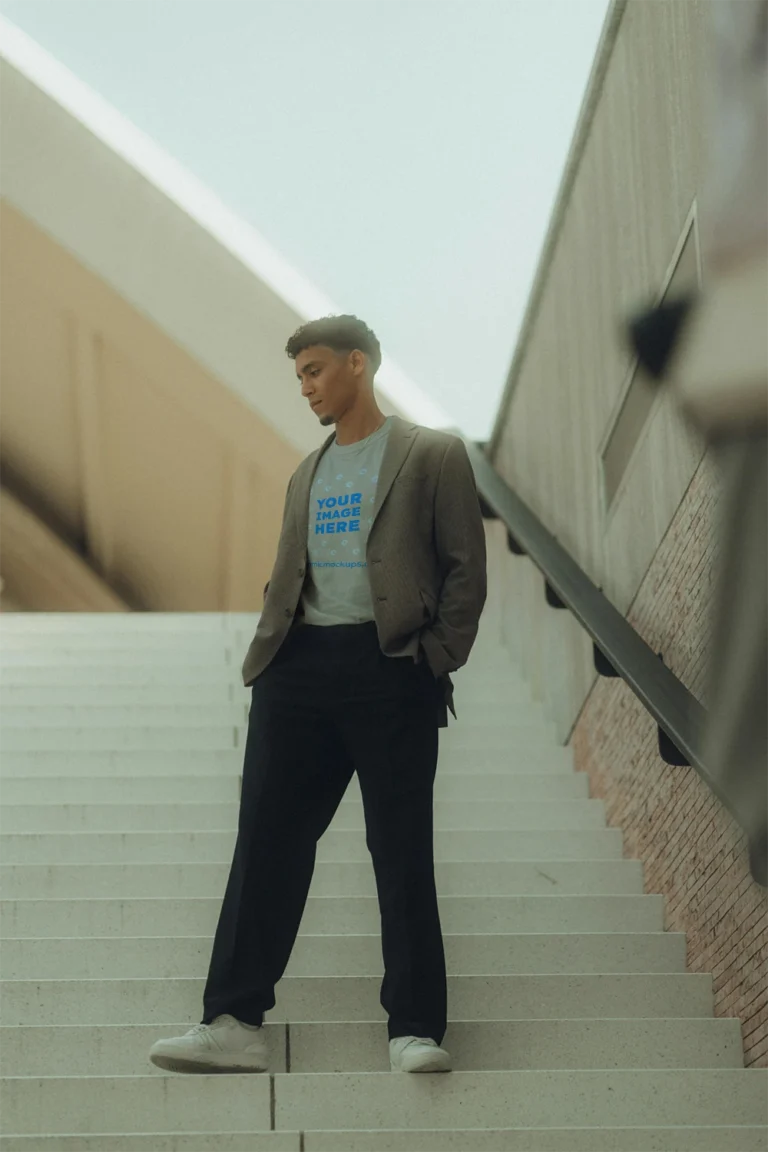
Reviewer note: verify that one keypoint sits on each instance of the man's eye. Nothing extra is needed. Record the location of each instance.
(315, 372)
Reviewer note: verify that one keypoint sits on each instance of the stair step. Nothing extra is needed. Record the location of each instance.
(136, 673)
(510, 757)
(518, 786)
(116, 1050)
(175, 847)
(113, 696)
(354, 998)
(480, 815)
(606, 1139)
(159, 1142)
(60, 659)
(474, 738)
(498, 1045)
(532, 1099)
(172, 739)
(331, 915)
(221, 787)
(149, 644)
(170, 762)
(494, 695)
(494, 878)
(485, 954)
(122, 1104)
(91, 699)
(30, 717)
(28, 765)
(502, 1045)
(116, 623)
(482, 714)
(523, 1099)
(486, 682)
(217, 788)
(87, 712)
(477, 742)
(645, 1139)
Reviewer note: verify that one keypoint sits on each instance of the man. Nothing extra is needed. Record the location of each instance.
(374, 599)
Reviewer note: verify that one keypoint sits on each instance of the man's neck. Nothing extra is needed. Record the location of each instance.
(356, 426)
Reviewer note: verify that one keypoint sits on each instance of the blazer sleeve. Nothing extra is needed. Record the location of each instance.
(285, 516)
(460, 544)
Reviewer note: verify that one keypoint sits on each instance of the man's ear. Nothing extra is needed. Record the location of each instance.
(357, 361)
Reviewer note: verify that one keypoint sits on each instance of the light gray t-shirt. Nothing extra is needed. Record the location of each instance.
(341, 503)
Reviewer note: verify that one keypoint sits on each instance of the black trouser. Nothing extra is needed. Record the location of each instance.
(331, 704)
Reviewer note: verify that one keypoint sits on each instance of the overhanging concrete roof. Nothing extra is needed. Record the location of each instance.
(130, 213)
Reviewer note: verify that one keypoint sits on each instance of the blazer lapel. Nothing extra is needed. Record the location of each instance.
(303, 487)
(399, 443)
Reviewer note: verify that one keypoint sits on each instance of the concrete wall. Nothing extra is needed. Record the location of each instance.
(624, 230)
(41, 571)
(156, 473)
(618, 232)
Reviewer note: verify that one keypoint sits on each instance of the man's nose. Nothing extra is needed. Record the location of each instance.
(306, 387)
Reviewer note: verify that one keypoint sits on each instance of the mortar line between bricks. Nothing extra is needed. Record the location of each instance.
(272, 1103)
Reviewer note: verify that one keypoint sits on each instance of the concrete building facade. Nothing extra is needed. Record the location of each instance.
(611, 468)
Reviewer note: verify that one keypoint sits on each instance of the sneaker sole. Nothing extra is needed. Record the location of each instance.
(191, 1067)
(436, 1064)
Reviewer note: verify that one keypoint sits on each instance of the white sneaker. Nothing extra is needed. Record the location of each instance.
(416, 1054)
(225, 1045)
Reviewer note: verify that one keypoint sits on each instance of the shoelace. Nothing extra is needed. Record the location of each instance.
(198, 1028)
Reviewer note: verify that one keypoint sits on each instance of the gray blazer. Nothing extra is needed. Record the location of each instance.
(426, 555)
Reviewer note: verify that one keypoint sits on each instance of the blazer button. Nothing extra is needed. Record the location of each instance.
(288, 612)
(301, 571)
(381, 599)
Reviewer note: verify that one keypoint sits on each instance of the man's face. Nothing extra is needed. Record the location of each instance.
(329, 380)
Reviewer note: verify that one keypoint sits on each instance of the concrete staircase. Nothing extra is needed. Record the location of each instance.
(575, 1025)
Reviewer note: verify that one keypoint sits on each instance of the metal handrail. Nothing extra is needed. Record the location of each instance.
(619, 649)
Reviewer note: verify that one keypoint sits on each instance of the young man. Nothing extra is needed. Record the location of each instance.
(374, 599)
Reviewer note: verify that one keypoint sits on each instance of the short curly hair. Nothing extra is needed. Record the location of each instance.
(341, 333)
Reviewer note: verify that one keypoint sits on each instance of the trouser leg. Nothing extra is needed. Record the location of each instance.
(295, 774)
(389, 725)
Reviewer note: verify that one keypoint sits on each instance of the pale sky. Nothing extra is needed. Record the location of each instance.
(403, 155)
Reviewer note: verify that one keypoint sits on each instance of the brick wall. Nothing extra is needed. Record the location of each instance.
(693, 853)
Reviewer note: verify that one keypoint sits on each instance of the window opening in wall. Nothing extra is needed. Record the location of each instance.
(641, 393)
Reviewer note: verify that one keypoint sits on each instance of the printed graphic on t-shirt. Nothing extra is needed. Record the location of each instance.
(340, 524)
